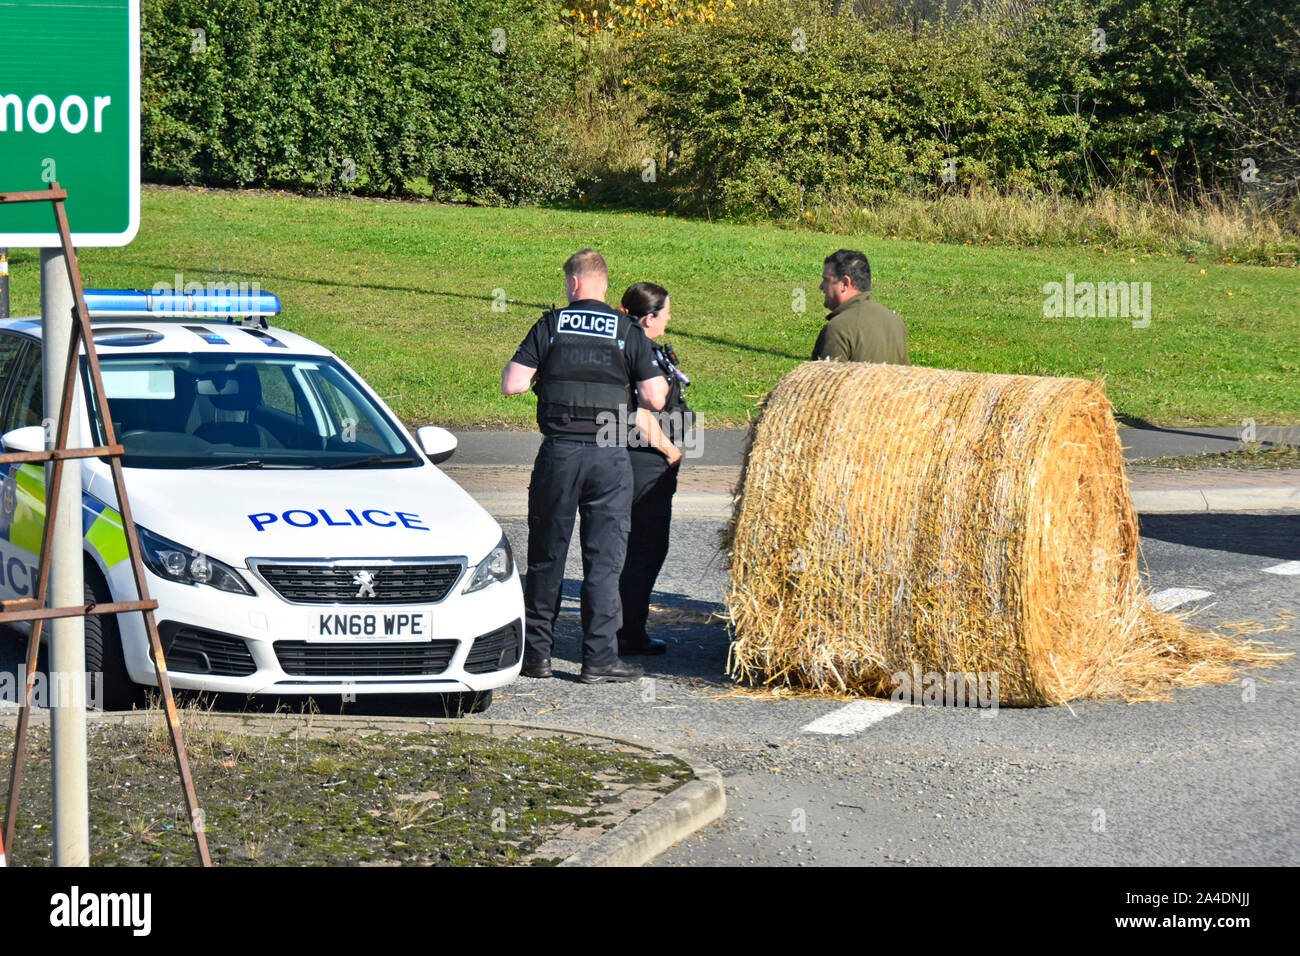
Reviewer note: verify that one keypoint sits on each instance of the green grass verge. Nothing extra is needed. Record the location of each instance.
(405, 293)
(293, 798)
(1252, 458)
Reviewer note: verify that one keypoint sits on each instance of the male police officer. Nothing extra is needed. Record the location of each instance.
(582, 361)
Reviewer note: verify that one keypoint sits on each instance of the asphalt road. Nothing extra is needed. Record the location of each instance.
(1208, 778)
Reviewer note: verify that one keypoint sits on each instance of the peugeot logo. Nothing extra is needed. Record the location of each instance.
(365, 582)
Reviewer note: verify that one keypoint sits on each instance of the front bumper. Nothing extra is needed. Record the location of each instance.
(231, 643)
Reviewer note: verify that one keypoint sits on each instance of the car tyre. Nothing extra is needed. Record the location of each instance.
(104, 650)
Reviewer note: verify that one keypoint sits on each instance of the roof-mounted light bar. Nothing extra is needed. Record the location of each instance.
(229, 305)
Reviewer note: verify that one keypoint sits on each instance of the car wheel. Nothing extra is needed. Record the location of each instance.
(461, 705)
(104, 652)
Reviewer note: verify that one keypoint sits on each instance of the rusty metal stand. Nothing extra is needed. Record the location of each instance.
(33, 609)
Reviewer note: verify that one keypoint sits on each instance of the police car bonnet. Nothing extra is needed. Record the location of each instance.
(414, 512)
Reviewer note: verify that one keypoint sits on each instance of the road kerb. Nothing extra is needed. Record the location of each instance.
(512, 504)
(644, 835)
(1216, 500)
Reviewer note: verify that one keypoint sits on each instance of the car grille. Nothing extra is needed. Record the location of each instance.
(415, 583)
(194, 651)
(388, 659)
(495, 651)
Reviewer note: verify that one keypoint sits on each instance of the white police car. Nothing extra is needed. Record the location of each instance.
(297, 539)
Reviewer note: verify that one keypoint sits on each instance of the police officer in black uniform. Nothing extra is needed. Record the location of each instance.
(590, 365)
(655, 459)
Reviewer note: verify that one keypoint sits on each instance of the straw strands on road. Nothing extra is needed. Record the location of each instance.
(895, 518)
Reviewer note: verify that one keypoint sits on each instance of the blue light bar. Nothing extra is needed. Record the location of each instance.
(219, 304)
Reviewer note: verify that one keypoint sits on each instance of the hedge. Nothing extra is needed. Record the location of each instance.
(788, 103)
(782, 108)
(368, 96)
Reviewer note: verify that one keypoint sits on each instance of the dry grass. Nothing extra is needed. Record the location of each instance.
(895, 518)
(1217, 227)
(607, 140)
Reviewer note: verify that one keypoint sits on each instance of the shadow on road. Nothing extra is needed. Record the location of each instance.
(697, 652)
(697, 640)
(1270, 536)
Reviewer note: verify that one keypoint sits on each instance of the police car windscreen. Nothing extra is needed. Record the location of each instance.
(196, 411)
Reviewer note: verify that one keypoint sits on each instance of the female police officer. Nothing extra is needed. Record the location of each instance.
(655, 460)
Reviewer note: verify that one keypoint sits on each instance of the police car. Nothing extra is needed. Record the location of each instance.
(297, 539)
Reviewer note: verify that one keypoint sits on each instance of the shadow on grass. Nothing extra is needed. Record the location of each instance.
(413, 290)
(741, 346)
(170, 270)
(1141, 424)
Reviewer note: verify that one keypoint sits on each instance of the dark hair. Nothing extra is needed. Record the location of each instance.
(585, 262)
(643, 298)
(852, 265)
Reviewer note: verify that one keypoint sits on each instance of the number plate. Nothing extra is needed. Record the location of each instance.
(405, 624)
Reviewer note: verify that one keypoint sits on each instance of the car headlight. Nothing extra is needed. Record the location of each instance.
(497, 566)
(175, 562)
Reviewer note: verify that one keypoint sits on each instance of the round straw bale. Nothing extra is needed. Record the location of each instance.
(895, 519)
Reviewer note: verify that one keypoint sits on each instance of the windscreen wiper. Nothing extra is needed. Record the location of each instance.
(382, 460)
(255, 463)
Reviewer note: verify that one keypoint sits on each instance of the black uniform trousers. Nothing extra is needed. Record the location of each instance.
(654, 482)
(595, 481)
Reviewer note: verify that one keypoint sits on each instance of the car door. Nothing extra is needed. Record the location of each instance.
(22, 493)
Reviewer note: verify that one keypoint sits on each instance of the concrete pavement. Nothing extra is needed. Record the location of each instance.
(726, 446)
(494, 466)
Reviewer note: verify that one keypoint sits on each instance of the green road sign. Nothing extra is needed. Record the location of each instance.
(70, 111)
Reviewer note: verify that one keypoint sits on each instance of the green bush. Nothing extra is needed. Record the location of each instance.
(371, 96)
(1175, 94)
(788, 106)
(767, 128)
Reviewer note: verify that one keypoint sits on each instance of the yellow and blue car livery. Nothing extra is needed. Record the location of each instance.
(22, 523)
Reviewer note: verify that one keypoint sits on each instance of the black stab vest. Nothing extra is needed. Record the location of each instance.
(584, 374)
(677, 417)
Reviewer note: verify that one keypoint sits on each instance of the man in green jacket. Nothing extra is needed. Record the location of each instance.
(859, 329)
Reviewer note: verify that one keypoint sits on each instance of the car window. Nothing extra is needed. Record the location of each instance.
(231, 410)
(10, 348)
(277, 390)
(357, 418)
(26, 400)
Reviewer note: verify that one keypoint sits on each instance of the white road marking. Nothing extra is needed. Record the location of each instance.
(851, 718)
(1170, 598)
(1288, 568)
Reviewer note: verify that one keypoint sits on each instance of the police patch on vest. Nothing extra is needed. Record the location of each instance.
(600, 324)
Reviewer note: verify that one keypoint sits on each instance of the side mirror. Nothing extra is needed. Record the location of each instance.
(438, 443)
(30, 438)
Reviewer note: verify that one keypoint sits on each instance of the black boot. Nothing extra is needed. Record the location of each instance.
(617, 672)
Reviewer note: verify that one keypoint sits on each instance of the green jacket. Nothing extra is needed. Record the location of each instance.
(863, 330)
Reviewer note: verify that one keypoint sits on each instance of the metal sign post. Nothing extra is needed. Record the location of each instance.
(70, 113)
(67, 678)
(35, 608)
